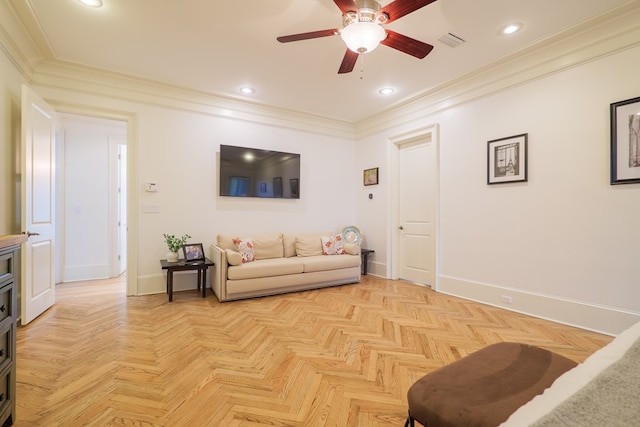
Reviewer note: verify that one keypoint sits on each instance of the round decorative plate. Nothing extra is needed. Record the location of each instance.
(351, 234)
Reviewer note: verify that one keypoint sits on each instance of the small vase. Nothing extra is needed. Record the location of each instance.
(172, 256)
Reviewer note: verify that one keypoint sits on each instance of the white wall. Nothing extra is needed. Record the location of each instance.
(10, 93)
(178, 150)
(86, 196)
(565, 245)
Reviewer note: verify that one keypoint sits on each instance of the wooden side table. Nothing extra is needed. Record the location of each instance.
(364, 254)
(181, 265)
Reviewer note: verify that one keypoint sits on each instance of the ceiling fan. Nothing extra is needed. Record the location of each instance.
(363, 30)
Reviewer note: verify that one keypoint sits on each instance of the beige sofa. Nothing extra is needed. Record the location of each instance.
(283, 263)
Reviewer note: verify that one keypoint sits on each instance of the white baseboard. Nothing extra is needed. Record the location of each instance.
(85, 272)
(377, 269)
(592, 317)
(157, 283)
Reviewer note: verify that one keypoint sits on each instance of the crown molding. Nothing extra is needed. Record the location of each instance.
(22, 41)
(609, 33)
(23, 9)
(16, 41)
(82, 79)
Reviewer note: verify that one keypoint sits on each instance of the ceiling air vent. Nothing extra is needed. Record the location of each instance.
(451, 40)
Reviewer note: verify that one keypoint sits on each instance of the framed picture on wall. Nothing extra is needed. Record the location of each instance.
(370, 176)
(507, 159)
(625, 141)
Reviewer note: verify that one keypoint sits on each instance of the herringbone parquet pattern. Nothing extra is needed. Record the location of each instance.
(342, 356)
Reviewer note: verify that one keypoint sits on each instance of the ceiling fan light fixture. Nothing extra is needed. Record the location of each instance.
(362, 37)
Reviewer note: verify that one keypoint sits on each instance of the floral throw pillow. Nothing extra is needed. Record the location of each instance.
(332, 245)
(245, 248)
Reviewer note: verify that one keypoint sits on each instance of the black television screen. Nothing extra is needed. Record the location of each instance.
(253, 172)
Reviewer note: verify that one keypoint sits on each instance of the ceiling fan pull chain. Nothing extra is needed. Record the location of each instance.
(361, 67)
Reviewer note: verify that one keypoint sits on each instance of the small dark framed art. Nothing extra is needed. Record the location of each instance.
(370, 176)
(507, 159)
(625, 142)
(193, 252)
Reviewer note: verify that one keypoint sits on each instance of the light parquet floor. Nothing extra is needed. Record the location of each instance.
(342, 356)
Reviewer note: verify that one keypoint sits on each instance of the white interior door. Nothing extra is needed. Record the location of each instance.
(416, 211)
(38, 205)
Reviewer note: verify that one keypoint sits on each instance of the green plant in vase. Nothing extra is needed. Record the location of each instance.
(174, 244)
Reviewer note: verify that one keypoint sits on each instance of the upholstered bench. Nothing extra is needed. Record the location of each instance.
(484, 388)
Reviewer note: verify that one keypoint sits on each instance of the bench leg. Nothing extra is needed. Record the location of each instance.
(410, 422)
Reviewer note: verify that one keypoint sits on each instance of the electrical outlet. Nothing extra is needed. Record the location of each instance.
(506, 299)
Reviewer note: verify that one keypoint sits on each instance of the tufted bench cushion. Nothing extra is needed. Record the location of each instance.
(484, 388)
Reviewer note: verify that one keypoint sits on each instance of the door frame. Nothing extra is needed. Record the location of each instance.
(115, 264)
(59, 255)
(430, 133)
(132, 178)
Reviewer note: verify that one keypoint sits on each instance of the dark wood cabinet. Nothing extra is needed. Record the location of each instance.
(9, 282)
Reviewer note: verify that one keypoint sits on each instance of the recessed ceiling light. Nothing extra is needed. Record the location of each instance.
(92, 3)
(511, 29)
(386, 91)
(247, 90)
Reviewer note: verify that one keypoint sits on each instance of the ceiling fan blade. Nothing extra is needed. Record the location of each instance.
(399, 8)
(406, 44)
(346, 5)
(348, 62)
(310, 35)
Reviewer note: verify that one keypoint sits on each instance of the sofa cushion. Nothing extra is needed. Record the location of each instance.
(225, 241)
(351, 248)
(268, 246)
(233, 257)
(324, 263)
(332, 245)
(289, 245)
(245, 247)
(266, 268)
(309, 244)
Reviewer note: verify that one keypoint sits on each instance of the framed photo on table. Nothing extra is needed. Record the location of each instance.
(193, 252)
(625, 142)
(507, 159)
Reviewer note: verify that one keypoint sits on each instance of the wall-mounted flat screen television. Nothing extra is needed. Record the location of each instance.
(253, 172)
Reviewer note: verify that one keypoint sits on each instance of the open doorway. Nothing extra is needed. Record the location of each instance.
(92, 207)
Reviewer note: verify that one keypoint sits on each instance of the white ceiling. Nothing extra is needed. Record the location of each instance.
(218, 46)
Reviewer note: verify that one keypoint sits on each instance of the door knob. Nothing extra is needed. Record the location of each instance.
(29, 234)
(401, 228)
